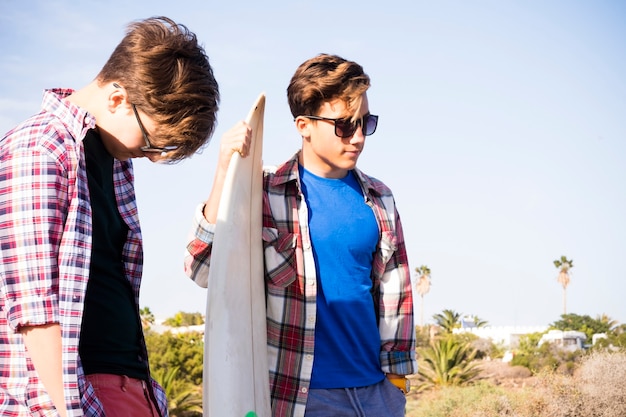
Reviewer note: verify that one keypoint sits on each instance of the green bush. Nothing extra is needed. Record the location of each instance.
(447, 361)
(546, 357)
(183, 351)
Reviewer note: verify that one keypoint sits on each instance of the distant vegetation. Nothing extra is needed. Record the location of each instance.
(184, 319)
(596, 389)
(581, 383)
(546, 357)
(176, 362)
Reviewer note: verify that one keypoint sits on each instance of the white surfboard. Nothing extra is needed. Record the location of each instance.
(236, 379)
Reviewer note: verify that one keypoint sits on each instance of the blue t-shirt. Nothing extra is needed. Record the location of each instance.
(344, 235)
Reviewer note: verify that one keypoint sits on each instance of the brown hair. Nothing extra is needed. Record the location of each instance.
(325, 78)
(167, 75)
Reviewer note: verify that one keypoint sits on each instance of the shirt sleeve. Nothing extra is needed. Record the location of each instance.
(198, 250)
(396, 308)
(33, 209)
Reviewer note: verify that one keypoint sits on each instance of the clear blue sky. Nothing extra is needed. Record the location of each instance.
(502, 131)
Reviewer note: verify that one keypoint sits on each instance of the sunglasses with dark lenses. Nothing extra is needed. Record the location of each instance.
(345, 128)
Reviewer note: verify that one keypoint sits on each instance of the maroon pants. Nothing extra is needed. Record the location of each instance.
(122, 396)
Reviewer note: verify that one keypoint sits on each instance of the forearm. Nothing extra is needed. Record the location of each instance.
(43, 344)
(236, 139)
(212, 203)
(198, 253)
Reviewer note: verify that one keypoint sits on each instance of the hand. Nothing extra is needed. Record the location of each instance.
(236, 139)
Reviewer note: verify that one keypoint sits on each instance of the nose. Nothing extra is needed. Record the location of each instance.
(358, 136)
(152, 156)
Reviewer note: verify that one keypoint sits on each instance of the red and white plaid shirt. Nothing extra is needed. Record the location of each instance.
(291, 288)
(45, 224)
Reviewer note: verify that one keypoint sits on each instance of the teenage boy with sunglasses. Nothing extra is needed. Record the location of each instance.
(71, 341)
(339, 303)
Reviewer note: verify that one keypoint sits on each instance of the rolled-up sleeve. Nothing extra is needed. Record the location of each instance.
(395, 304)
(199, 246)
(33, 203)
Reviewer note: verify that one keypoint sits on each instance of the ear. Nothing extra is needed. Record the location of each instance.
(303, 125)
(117, 98)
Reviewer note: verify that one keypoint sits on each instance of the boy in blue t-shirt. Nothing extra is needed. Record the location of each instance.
(339, 302)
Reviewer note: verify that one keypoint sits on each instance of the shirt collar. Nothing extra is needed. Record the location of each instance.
(77, 120)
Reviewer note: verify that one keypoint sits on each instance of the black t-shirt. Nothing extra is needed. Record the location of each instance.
(111, 327)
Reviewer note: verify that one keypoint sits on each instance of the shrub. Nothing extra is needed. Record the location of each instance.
(447, 362)
(481, 399)
(596, 389)
(422, 336)
(546, 357)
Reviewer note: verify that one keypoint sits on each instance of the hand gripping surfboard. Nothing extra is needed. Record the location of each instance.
(236, 379)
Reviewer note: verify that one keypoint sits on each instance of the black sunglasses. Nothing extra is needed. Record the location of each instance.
(345, 128)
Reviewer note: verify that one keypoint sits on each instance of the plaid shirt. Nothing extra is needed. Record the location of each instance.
(45, 218)
(291, 286)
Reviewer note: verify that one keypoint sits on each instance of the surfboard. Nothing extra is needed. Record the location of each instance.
(236, 379)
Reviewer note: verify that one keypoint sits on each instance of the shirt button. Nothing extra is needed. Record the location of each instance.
(311, 319)
(304, 390)
(309, 357)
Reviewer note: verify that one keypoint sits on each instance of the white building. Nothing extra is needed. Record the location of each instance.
(568, 340)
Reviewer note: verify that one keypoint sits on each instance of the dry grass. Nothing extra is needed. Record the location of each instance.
(597, 389)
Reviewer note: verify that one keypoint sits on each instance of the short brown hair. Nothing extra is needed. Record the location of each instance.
(167, 75)
(325, 78)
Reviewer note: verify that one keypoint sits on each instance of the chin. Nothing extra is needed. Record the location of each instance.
(349, 166)
(125, 156)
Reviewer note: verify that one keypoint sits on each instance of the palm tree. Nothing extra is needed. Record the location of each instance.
(183, 399)
(422, 286)
(147, 318)
(447, 362)
(564, 265)
(475, 321)
(478, 322)
(448, 320)
(608, 321)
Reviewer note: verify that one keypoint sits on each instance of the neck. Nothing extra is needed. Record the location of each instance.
(86, 98)
(320, 167)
